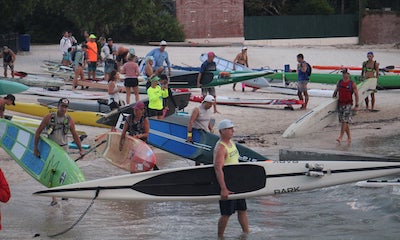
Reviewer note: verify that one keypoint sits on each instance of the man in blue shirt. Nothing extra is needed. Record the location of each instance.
(160, 55)
(208, 65)
(303, 77)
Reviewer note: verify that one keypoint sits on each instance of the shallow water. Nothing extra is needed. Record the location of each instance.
(340, 212)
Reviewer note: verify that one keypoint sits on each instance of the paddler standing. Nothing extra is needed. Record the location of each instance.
(226, 153)
(346, 88)
(242, 59)
(370, 69)
(303, 73)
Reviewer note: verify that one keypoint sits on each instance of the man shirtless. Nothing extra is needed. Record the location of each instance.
(242, 59)
(370, 69)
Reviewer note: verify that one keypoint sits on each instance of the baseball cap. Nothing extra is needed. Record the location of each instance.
(132, 51)
(226, 123)
(64, 102)
(244, 48)
(345, 70)
(138, 106)
(92, 36)
(211, 54)
(154, 79)
(5, 48)
(163, 43)
(10, 97)
(109, 39)
(209, 98)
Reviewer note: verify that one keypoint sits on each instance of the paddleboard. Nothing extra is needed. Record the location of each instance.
(379, 183)
(38, 80)
(100, 106)
(242, 101)
(11, 87)
(226, 65)
(293, 91)
(66, 93)
(325, 113)
(54, 167)
(135, 156)
(171, 135)
(80, 117)
(244, 179)
(180, 98)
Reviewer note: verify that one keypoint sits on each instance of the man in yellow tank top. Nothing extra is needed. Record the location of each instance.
(226, 153)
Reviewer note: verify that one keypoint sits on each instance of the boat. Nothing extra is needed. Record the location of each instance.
(234, 101)
(245, 180)
(53, 168)
(80, 117)
(11, 87)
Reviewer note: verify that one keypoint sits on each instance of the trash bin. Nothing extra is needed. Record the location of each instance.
(25, 42)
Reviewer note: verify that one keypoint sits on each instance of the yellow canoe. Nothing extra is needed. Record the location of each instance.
(80, 117)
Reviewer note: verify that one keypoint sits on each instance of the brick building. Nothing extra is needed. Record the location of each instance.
(211, 19)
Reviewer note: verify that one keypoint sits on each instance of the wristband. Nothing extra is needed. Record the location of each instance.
(189, 134)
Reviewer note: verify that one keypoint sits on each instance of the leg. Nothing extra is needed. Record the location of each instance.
(305, 98)
(234, 87)
(300, 95)
(222, 222)
(5, 69)
(243, 220)
(75, 81)
(347, 131)
(136, 92)
(81, 73)
(128, 95)
(243, 86)
(372, 100)
(12, 70)
(342, 130)
(366, 102)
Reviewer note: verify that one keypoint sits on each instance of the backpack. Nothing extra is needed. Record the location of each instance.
(73, 55)
(309, 69)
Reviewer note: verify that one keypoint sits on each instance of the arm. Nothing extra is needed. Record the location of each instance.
(148, 69)
(199, 79)
(123, 133)
(168, 64)
(123, 69)
(146, 128)
(235, 61)
(75, 136)
(193, 118)
(219, 156)
(5, 192)
(303, 67)
(13, 57)
(336, 90)
(151, 53)
(164, 91)
(39, 130)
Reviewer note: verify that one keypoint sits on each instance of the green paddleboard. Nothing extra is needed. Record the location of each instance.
(384, 82)
(53, 168)
(10, 87)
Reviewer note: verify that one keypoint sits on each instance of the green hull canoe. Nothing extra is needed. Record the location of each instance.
(53, 168)
(384, 82)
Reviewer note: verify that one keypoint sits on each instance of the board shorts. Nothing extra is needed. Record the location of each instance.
(208, 90)
(109, 66)
(229, 207)
(345, 113)
(92, 66)
(302, 86)
(155, 112)
(8, 64)
(131, 82)
(66, 56)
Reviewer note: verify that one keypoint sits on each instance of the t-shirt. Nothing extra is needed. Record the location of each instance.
(208, 66)
(156, 96)
(159, 57)
(92, 51)
(130, 69)
(65, 43)
(79, 58)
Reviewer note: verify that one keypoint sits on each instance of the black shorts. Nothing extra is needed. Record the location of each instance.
(229, 207)
(155, 113)
(131, 82)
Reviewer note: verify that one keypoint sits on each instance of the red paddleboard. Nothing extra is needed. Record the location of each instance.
(135, 156)
(241, 101)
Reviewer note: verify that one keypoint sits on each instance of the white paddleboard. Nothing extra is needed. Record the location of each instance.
(379, 183)
(66, 93)
(244, 179)
(325, 113)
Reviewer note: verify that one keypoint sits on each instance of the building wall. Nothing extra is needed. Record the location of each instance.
(380, 28)
(211, 19)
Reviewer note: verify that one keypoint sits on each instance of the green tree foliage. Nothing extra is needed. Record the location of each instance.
(124, 20)
(287, 7)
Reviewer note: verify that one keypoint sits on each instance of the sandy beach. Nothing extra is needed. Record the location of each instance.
(259, 127)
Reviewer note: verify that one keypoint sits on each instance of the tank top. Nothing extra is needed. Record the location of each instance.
(7, 57)
(114, 96)
(59, 129)
(302, 76)
(232, 152)
(345, 90)
(202, 119)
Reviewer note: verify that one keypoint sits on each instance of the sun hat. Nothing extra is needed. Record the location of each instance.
(163, 43)
(132, 51)
(138, 106)
(154, 79)
(209, 98)
(211, 54)
(92, 36)
(63, 101)
(226, 123)
(10, 97)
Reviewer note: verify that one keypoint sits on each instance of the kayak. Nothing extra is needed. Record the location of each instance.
(79, 117)
(384, 81)
(10, 87)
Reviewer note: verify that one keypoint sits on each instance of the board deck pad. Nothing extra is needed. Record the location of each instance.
(203, 182)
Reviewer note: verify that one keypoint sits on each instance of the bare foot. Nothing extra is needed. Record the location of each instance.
(349, 140)
(339, 140)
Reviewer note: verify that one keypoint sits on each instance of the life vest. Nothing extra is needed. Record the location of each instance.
(366, 69)
(135, 128)
(345, 92)
(53, 125)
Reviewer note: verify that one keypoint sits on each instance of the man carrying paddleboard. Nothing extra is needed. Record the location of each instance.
(345, 88)
(303, 72)
(58, 125)
(226, 153)
(208, 65)
(7, 100)
(370, 69)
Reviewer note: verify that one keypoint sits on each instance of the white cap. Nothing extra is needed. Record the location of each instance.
(226, 123)
(209, 98)
(244, 48)
(132, 51)
(163, 43)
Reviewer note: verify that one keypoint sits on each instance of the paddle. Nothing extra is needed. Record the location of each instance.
(90, 150)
